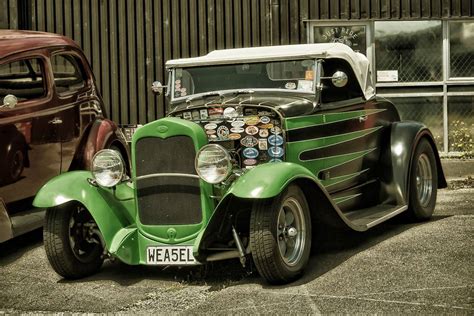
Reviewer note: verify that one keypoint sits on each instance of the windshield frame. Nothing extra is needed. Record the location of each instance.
(172, 75)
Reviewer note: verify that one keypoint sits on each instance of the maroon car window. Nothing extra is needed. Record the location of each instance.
(68, 75)
(23, 79)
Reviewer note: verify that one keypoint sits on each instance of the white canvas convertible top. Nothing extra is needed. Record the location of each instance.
(359, 62)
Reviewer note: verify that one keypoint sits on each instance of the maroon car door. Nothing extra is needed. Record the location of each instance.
(74, 91)
(30, 151)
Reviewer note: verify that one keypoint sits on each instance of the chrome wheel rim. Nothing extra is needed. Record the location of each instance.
(291, 231)
(424, 180)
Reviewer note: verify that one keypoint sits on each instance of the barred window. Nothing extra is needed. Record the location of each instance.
(461, 123)
(408, 51)
(461, 48)
(428, 110)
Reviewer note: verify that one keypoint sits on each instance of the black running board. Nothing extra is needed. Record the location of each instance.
(367, 218)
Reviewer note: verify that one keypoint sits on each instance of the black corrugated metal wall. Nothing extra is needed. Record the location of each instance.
(128, 42)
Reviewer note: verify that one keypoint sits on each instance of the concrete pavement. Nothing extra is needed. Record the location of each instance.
(394, 268)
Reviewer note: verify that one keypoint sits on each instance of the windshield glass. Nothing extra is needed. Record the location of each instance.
(286, 75)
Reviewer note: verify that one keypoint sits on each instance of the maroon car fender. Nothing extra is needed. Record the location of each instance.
(100, 134)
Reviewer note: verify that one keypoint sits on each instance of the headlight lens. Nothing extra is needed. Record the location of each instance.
(107, 167)
(213, 163)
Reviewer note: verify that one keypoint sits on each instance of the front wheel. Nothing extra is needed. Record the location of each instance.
(423, 182)
(280, 236)
(72, 241)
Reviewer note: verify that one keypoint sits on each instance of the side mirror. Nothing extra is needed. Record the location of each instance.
(157, 87)
(9, 101)
(339, 79)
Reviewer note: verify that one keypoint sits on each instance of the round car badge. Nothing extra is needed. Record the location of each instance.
(249, 141)
(223, 132)
(251, 130)
(275, 152)
(237, 123)
(275, 130)
(250, 162)
(265, 126)
(237, 130)
(265, 120)
(234, 136)
(210, 131)
(210, 126)
(275, 140)
(250, 153)
(252, 120)
(263, 132)
(230, 113)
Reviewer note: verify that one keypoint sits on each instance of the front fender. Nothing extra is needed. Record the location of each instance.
(111, 211)
(268, 180)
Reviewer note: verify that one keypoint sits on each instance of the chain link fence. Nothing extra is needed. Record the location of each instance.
(428, 110)
(413, 49)
(461, 124)
(461, 44)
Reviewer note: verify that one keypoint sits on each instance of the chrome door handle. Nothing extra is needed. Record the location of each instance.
(55, 121)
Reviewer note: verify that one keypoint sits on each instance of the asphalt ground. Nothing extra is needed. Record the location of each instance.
(397, 267)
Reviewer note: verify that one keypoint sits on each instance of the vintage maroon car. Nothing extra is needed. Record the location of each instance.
(52, 120)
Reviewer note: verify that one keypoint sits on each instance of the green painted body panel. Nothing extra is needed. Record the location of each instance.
(165, 128)
(115, 214)
(336, 180)
(294, 149)
(268, 180)
(112, 212)
(326, 118)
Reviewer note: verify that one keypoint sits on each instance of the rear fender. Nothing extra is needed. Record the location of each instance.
(398, 157)
(111, 209)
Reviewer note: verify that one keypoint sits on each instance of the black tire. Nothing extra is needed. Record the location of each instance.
(74, 257)
(15, 163)
(265, 234)
(423, 182)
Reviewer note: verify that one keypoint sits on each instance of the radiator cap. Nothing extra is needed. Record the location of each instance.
(162, 128)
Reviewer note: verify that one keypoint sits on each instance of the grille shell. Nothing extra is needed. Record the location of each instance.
(167, 200)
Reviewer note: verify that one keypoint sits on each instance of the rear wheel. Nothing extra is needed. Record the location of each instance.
(280, 236)
(15, 164)
(423, 182)
(72, 241)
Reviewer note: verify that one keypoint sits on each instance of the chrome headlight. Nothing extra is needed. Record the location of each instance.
(213, 163)
(107, 167)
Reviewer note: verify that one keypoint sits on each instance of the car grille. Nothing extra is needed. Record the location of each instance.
(167, 200)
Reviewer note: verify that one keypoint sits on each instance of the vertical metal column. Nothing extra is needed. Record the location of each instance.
(445, 87)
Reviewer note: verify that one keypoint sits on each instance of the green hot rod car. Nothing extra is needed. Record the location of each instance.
(259, 146)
